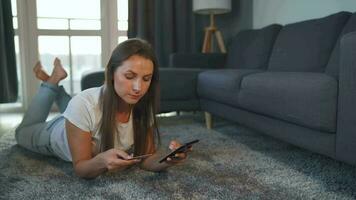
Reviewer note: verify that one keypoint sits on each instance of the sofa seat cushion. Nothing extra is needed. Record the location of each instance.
(222, 85)
(303, 98)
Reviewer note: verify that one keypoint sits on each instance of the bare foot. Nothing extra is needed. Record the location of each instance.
(39, 72)
(58, 72)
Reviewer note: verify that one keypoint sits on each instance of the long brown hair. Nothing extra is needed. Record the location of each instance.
(143, 111)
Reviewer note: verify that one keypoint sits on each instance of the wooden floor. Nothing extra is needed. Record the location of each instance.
(8, 121)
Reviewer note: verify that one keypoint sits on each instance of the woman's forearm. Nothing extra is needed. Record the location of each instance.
(152, 163)
(89, 168)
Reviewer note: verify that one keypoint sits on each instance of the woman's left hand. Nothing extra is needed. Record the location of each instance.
(179, 157)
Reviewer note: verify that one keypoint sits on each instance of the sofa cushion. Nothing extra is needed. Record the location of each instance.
(251, 48)
(306, 46)
(92, 79)
(333, 65)
(222, 85)
(303, 98)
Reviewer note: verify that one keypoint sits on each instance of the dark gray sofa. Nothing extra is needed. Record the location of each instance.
(177, 91)
(295, 82)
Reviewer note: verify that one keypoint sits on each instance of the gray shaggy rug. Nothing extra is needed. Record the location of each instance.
(230, 162)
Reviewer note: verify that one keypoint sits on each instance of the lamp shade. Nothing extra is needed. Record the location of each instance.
(211, 6)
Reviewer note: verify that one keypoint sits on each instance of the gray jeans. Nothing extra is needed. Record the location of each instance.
(34, 132)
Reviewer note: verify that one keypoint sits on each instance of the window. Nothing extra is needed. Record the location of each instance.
(64, 14)
(72, 36)
(122, 19)
(17, 49)
(14, 13)
(82, 33)
(16, 106)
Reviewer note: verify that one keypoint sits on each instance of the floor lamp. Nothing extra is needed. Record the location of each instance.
(212, 7)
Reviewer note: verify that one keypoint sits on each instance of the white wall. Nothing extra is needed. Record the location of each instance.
(267, 12)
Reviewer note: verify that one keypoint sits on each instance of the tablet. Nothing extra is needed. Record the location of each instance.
(181, 149)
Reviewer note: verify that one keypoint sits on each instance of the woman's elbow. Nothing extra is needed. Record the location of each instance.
(79, 172)
(84, 175)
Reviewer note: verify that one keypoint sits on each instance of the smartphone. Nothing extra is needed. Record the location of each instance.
(181, 149)
(140, 157)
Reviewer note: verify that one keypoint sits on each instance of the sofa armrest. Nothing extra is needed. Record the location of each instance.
(346, 119)
(178, 83)
(178, 89)
(92, 79)
(197, 60)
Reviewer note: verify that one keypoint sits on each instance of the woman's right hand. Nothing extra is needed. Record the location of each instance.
(116, 160)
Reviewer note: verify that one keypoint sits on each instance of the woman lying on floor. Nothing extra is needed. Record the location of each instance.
(100, 127)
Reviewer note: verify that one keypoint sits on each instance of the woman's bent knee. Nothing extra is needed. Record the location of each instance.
(33, 139)
(17, 133)
(22, 138)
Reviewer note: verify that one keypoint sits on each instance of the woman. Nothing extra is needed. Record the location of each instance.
(100, 126)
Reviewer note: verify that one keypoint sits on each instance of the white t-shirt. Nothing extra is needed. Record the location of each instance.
(84, 112)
